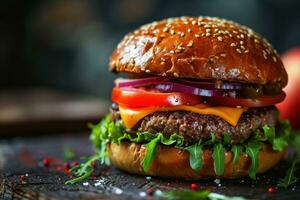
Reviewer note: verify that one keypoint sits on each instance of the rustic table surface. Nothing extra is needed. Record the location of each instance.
(23, 175)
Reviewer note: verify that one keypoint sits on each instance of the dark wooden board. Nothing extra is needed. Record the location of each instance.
(24, 156)
(42, 111)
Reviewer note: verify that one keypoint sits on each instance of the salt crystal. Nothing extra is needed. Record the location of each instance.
(142, 194)
(85, 183)
(217, 181)
(118, 191)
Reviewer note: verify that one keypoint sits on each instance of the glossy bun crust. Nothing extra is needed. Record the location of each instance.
(200, 48)
(172, 162)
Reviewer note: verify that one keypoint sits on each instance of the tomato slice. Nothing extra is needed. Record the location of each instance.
(134, 98)
(247, 102)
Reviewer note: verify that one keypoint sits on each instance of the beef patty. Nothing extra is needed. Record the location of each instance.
(193, 126)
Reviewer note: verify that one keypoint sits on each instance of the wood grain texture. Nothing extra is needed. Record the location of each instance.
(23, 156)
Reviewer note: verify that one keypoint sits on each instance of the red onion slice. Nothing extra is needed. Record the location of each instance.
(121, 82)
(176, 87)
(213, 85)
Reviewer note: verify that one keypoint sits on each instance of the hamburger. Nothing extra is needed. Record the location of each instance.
(198, 101)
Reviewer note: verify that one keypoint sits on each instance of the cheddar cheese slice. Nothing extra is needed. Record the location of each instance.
(131, 116)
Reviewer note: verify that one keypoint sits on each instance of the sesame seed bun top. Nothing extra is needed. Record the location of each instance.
(199, 48)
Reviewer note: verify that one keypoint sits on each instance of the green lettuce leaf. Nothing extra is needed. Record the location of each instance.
(219, 158)
(108, 131)
(195, 158)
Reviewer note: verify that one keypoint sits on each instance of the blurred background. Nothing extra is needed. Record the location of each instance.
(54, 53)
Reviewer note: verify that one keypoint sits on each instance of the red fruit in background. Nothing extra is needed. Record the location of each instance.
(290, 107)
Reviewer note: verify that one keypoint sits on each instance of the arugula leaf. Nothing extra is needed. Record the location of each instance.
(182, 195)
(289, 178)
(108, 131)
(236, 150)
(219, 158)
(151, 149)
(279, 144)
(252, 150)
(103, 154)
(195, 157)
(193, 195)
(83, 170)
(216, 196)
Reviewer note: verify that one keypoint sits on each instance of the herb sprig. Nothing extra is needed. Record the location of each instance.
(83, 170)
(193, 195)
(293, 159)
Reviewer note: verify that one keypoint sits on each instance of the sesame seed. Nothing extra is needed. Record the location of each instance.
(172, 52)
(186, 22)
(179, 49)
(190, 43)
(197, 35)
(182, 34)
(241, 42)
(265, 56)
(256, 41)
(165, 29)
(194, 22)
(242, 36)
(148, 71)
(172, 32)
(223, 54)
(232, 44)
(207, 34)
(189, 30)
(219, 38)
(242, 47)
(238, 50)
(207, 30)
(274, 59)
(246, 51)
(162, 59)
(175, 74)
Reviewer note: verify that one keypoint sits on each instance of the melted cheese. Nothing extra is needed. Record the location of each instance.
(131, 116)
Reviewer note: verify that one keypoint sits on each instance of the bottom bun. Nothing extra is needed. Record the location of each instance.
(173, 162)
